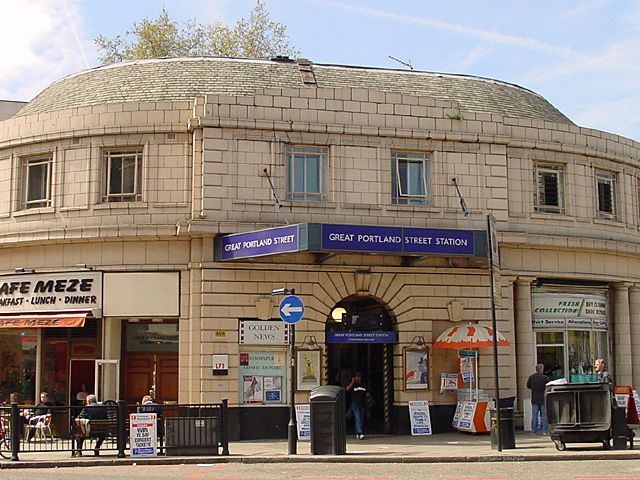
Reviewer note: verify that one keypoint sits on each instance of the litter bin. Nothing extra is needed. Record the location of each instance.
(578, 412)
(620, 431)
(507, 428)
(328, 423)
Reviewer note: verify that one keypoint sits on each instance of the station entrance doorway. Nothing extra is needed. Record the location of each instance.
(360, 336)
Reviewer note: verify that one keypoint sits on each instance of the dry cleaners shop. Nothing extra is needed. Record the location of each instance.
(357, 324)
(60, 332)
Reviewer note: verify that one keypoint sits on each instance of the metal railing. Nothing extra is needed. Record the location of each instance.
(179, 429)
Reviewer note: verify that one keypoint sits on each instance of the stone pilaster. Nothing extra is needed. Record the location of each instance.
(525, 339)
(622, 368)
(634, 317)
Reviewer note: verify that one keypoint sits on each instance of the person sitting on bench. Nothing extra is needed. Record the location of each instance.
(92, 411)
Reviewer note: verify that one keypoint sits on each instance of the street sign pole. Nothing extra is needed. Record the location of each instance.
(291, 310)
(494, 261)
(292, 432)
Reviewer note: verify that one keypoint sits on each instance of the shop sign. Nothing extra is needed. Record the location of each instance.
(263, 332)
(572, 311)
(30, 293)
(361, 337)
(317, 237)
(420, 417)
(143, 434)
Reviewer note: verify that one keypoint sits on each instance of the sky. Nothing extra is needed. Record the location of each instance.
(583, 56)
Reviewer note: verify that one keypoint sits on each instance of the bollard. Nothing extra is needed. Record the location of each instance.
(122, 431)
(15, 432)
(224, 427)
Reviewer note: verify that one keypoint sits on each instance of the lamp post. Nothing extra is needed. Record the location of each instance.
(287, 315)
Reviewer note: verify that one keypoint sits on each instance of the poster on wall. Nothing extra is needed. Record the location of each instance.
(262, 377)
(416, 369)
(308, 369)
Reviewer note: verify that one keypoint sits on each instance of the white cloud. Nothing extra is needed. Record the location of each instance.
(41, 43)
(618, 116)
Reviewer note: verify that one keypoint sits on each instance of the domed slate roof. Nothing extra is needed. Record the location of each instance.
(175, 79)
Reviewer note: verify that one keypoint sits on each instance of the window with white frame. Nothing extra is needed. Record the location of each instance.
(410, 178)
(36, 182)
(549, 187)
(606, 184)
(122, 175)
(307, 172)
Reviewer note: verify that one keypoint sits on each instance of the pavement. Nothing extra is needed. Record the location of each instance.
(439, 448)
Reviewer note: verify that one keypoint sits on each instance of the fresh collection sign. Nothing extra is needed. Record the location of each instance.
(573, 311)
(50, 292)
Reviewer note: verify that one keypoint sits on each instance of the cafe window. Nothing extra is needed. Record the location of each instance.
(122, 175)
(263, 377)
(18, 361)
(36, 182)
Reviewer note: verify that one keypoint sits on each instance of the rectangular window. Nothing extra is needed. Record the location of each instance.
(36, 182)
(122, 177)
(410, 178)
(307, 172)
(606, 183)
(549, 188)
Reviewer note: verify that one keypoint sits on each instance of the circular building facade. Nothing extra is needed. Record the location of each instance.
(149, 209)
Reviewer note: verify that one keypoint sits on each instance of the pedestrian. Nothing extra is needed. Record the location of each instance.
(92, 411)
(41, 411)
(537, 383)
(601, 372)
(359, 397)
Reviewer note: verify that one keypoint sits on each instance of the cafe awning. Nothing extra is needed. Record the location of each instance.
(57, 320)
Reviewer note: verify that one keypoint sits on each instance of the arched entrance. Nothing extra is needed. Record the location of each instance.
(360, 336)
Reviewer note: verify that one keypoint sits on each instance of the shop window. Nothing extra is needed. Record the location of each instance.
(549, 188)
(18, 361)
(122, 176)
(606, 183)
(36, 182)
(410, 178)
(151, 337)
(263, 377)
(307, 172)
(584, 348)
(550, 353)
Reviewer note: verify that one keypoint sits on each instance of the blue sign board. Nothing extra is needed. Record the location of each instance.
(359, 238)
(291, 309)
(258, 243)
(317, 237)
(361, 337)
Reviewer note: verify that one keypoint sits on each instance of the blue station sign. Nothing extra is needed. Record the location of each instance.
(317, 237)
(361, 337)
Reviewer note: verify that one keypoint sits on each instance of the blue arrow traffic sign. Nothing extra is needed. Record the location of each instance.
(291, 309)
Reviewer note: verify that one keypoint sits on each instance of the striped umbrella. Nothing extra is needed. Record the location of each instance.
(469, 336)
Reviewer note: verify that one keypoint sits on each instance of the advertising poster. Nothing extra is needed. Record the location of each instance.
(466, 369)
(416, 369)
(420, 418)
(143, 428)
(303, 418)
(308, 369)
(262, 377)
(448, 382)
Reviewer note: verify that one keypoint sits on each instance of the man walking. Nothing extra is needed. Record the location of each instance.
(536, 383)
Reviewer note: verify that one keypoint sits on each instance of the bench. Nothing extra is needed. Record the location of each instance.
(95, 428)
